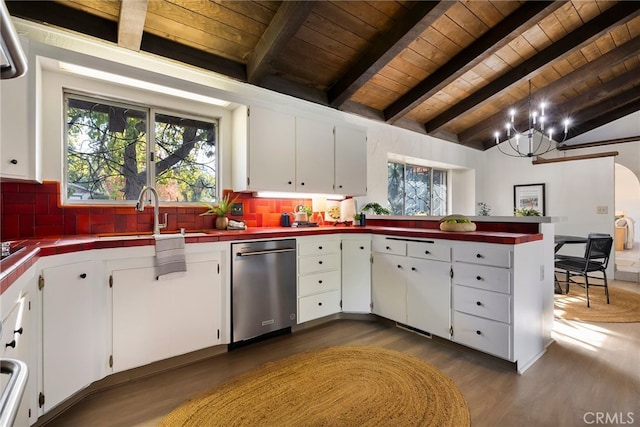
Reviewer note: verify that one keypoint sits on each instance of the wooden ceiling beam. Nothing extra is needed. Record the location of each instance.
(618, 14)
(483, 131)
(490, 42)
(586, 106)
(131, 23)
(616, 108)
(198, 58)
(386, 47)
(57, 14)
(284, 25)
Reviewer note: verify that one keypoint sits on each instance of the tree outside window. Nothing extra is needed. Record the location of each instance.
(416, 190)
(109, 155)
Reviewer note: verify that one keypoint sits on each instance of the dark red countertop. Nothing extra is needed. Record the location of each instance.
(15, 265)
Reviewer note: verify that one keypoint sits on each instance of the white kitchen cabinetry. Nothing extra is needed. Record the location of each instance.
(497, 300)
(356, 273)
(429, 287)
(73, 329)
(318, 277)
(275, 151)
(18, 142)
(350, 160)
(314, 156)
(157, 319)
(20, 339)
(411, 282)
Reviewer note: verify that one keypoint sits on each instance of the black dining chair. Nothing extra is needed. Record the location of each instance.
(595, 260)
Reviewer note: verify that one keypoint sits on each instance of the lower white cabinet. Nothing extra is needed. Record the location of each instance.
(318, 277)
(157, 319)
(74, 326)
(411, 283)
(356, 274)
(389, 287)
(18, 335)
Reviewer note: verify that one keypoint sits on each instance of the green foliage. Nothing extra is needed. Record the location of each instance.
(222, 208)
(484, 209)
(107, 150)
(526, 212)
(376, 208)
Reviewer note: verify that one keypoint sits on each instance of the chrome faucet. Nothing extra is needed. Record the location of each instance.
(156, 208)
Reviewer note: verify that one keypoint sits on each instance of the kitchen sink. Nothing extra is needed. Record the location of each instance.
(146, 236)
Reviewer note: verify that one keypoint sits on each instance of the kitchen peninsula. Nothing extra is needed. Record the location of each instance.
(490, 290)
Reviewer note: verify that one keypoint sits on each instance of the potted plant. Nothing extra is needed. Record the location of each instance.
(526, 212)
(221, 210)
(376, 208)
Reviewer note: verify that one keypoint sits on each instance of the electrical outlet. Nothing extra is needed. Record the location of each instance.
(602, 210)
(236, 209)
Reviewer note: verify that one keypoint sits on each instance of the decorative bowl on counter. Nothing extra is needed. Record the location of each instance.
(457, 222)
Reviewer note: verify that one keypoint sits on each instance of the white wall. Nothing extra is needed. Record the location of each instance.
(627, 196)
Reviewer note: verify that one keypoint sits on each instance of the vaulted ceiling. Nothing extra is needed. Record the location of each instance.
(450, 69)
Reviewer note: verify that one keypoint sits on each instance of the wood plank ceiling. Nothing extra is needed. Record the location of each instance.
(449, 69)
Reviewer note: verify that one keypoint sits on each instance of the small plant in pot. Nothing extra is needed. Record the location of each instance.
(221, 210)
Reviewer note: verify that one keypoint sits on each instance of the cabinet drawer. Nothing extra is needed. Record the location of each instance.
(485, 335)
(429, 250)
(387, 246)
(485, 254)
(318, 247)
(319, 282)
(478, 302)
(479, 276)
(316, 306)
(314, 264)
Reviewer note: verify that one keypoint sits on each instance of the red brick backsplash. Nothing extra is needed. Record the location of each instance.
(34, 210)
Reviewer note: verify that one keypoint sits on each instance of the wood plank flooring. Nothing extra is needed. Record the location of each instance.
(589, 369)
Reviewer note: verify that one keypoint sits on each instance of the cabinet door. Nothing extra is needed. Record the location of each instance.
(429, 296)
(356, 276)
(156, 319)
(388, 287)
(16, 134)
(73, 328)
(314, 156)
(272, 150)
(350, 161)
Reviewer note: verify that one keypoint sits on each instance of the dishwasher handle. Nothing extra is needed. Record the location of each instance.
(265, 252)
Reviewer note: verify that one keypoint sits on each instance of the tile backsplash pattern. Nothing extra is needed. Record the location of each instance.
(33, 210)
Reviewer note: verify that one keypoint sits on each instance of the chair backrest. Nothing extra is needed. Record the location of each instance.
(590, 236)
(599, 249)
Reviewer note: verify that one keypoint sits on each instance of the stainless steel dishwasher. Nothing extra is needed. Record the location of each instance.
(263, 281)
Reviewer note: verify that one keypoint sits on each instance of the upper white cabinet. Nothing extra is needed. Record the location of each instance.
(271, 152)
(20, 152)
(275, 151)
(314, 156)
(350, 161)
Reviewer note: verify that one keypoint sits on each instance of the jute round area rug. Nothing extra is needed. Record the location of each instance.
(623, 307)
(336, 386)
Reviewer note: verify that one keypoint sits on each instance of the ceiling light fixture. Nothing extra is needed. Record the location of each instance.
(538, 139)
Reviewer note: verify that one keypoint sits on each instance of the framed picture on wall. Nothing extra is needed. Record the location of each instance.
(529, 197)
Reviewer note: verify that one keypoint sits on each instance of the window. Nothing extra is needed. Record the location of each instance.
(109, 156)
(416, 190)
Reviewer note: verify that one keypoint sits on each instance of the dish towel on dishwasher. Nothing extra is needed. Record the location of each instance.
(170, 256)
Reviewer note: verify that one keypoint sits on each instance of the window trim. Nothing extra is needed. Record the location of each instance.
(447, 173)
(150, 171)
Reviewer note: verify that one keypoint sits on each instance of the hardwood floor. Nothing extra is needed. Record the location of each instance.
(590, 369)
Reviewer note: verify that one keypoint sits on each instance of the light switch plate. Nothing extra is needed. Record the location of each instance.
(603, 210)
(237, 209)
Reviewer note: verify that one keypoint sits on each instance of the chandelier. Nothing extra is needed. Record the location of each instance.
(535, 140)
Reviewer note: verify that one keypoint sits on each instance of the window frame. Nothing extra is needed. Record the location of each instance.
(150, 175)
(445, 172)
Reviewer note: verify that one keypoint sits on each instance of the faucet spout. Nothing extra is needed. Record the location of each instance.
(156, 208)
